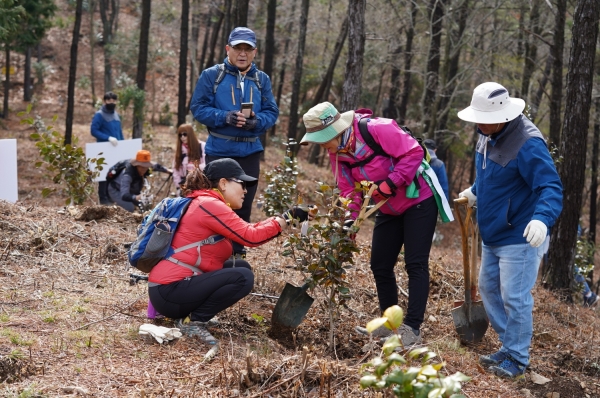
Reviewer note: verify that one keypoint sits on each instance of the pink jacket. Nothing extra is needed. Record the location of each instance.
(405, 155)
(208, 215)
(180, 173)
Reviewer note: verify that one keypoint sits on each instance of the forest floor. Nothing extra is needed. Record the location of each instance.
(69, 317)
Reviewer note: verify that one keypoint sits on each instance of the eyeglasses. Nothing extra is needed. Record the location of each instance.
(239, 49)
(184, 134)
(242, 183)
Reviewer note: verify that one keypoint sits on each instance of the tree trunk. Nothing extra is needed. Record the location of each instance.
(559, 273)
(406, 86)
(530, 61)
(92, 8)
(436, 17)
(207, 31)
(27, 87)
(6, 82)
(356, 48)
(183, 50)
(72, 74)
(537, 99)
(194, 72)
(594, 178)
(227, 26)
(214, 37)
(138, 108)
(557, 84)
(325, 86)
(269, 54)
(296, 84)
(242, 13)
(109, 11)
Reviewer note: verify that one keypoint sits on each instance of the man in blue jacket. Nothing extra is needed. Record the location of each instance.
(519, 197)
(439, 168)
(106, 126)
(217, 103)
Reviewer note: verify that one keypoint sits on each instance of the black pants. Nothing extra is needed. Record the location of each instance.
(414, 229)
(103, 192)
(203, 296)
(251, 166)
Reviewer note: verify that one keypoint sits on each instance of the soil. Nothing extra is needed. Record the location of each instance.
(69, 316)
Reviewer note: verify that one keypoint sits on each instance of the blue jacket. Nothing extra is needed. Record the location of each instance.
(106, 124)
(516, 182)
(439, 168)
(211, 109)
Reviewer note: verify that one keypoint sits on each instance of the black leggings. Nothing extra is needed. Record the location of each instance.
(205, 295)
(251, 166)
(414, 229)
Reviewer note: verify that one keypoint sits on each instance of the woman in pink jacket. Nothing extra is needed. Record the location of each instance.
(188, 149)
(194, 299)
(408, 217)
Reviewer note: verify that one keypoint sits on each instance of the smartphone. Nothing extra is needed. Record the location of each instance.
(247, 109)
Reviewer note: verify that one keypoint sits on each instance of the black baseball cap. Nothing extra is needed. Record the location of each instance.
(429, 143)
(227, 168)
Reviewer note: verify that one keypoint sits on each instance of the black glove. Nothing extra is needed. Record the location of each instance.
(231, 118)
(250, 124)
(295, 213)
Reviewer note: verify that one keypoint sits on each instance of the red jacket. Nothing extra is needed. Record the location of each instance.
(208, 215)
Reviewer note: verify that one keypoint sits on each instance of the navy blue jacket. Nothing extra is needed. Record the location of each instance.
(211, 109)
(106, 124)
(439, 168)
(516, 182)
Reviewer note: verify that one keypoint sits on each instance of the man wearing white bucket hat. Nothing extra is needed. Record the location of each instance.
(519, 197)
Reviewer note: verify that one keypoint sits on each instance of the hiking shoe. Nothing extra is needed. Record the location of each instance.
(509, 369)
(590, 301)
(409, 336)
(381, 332)
(493, 359)
(198, 329)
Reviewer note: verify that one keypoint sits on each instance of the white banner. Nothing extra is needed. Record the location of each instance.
(9, 189)
(126, 149)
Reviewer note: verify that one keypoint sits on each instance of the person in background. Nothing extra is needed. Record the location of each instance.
(437, 165)
(106, 126)
(590, 299)
(125, 190)
(195, 297)
(216, 103)
(519, 197)
(188, 150)
(409, 216)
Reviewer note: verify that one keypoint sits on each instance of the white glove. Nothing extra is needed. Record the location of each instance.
(535, 233)
(160, 333)
(467, 193)
(113, 141)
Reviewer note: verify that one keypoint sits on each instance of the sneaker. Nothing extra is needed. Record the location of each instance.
(590, 301)
(198, 329)
(493, 359)
(381, 332)
(509, 369)
(409, 336)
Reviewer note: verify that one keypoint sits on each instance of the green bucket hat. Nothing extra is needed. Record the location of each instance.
(323, 123)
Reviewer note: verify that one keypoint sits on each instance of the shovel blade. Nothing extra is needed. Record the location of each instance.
(471, 321)
(291, 308)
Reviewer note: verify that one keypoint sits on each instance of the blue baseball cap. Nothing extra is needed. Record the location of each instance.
(242, 35)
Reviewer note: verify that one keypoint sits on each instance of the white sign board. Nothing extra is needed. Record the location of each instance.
(9, 189)
(126, 149)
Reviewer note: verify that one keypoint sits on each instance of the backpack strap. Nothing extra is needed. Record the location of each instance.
(370, 141)
(211, 240)
(220, 75)
(222, 70)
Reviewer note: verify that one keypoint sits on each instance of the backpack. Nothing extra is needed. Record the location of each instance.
(222, 70)
(116, 169)
(155, 235)
(377, 149)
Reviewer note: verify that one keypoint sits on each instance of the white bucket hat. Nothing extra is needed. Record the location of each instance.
(491, 104)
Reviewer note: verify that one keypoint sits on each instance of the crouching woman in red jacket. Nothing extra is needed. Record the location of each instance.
(178, 292)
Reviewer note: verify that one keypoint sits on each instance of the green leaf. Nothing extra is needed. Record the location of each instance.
(394, 315)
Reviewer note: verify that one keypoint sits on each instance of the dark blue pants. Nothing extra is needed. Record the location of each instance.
(414, 230)
(203, 296)
(251, 166)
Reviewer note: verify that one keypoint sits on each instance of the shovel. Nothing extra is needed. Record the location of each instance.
(470, 318)
(292, 306)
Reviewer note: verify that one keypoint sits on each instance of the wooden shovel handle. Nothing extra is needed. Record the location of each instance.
(466, 253)
(364, 214)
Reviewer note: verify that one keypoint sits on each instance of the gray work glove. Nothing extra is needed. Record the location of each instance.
(250, 124)
(231, 118)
